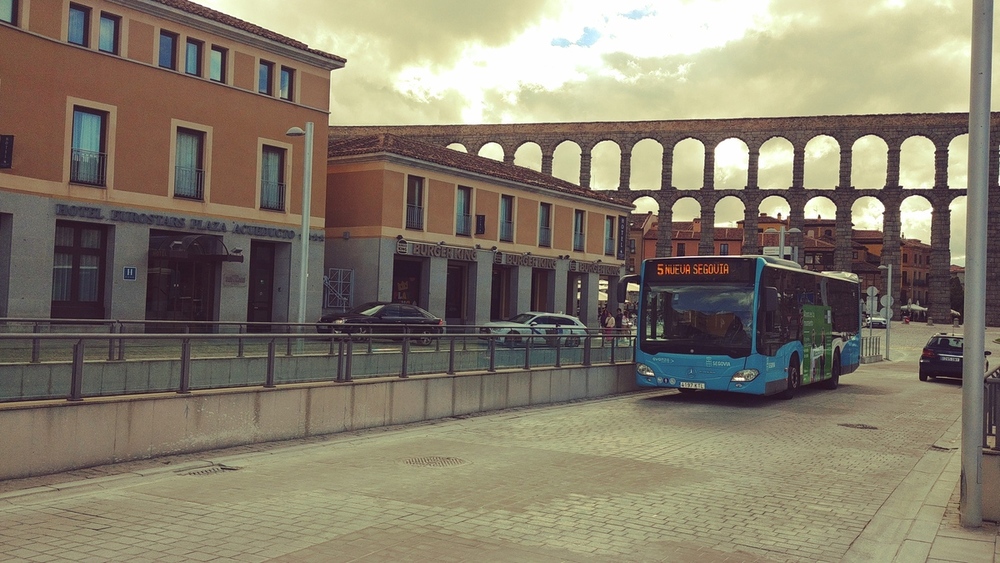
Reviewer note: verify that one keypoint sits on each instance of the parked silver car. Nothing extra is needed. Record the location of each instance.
(543, 329)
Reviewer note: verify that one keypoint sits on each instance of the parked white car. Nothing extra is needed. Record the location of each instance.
(543, 329)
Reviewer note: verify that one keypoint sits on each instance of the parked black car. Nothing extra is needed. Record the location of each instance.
(942, 357)
(378, 317)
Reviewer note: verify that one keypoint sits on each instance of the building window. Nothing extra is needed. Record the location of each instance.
(192, 57)
(286, 83)
(217, 64)
(631, 246)
(545, 225)
(905, 257)
(507, 218)
(189, 171)
(415, 203)
(78, 32)
(110, 30)
(578, 238)
(272, 179)
(8, 11)
(78, 271)
(168, 50)
(463, 211)
(264, 72)
(88, 154)
(724, 249)
(609, 236)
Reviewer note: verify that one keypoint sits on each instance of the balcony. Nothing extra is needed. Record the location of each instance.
(189, 183)
(88, 167)
(414, 217)
(507, 231)
(544, 236)
(463, 224)
(272, 196)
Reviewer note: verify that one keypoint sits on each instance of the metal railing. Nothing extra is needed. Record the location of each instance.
(871, 346)
(88, 167)
(92, 362)
(991, 409)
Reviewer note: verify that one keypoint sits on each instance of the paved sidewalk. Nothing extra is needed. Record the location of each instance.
(868, 472)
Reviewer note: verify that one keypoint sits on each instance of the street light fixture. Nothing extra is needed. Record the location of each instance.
(888, 305)
(781, 239)
(306, 202)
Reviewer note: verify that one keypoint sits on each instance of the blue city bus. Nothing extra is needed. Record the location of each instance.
(746, 324)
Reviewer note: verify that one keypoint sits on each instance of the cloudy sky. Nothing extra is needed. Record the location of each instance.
(473, 61)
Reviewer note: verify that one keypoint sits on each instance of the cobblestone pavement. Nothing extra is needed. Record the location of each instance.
(652, 476)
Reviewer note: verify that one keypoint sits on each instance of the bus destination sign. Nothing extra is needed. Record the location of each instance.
(720, 270)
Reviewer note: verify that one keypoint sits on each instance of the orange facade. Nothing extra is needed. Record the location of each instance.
(155, 118)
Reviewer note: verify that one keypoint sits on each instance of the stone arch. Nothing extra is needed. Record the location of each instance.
(869, 162)
(646, 165)
(958, 163)
(959, 214)
(916, 213)
(688, 164)
(492, 151)
(566, 161)
(773, 205)
(732, 164)
(646, 204)
(820, 207)
(775, 163)
(458, 147)
(868, 214)
(605, 165)
(916, 163)
(916, 217)
(729, 211)
(685, 239)
(529, 155)
(822, 163)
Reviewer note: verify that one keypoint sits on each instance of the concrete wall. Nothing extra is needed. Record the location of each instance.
(51, 436)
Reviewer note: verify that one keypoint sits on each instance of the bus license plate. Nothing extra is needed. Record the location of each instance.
(692, 385)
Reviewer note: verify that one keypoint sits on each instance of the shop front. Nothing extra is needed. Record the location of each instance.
(184, 276)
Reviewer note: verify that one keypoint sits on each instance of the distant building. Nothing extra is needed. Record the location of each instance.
(468, 238)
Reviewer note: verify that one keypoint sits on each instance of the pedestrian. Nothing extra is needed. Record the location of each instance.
(608, 324)
(619, 325)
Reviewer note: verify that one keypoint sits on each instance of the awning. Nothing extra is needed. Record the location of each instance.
(198, 248)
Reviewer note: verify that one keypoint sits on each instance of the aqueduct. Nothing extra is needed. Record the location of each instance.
(940, 129)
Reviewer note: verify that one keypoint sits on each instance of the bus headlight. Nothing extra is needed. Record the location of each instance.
(745, 375)
(644, 370)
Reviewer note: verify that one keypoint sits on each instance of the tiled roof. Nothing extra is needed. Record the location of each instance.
(226, 19)
(392, 144)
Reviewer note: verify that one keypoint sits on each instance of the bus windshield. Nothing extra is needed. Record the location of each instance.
(701, 319)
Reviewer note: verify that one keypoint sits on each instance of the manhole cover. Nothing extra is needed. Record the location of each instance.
(435, 461)
(858, 426)
(210, 470)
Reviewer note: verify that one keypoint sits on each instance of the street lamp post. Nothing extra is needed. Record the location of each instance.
(306, 203)
(888, 305)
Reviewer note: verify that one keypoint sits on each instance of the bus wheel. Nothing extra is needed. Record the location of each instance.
(834, 380)
(794, 380)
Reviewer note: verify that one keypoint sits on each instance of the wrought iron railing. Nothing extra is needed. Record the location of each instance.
(88, 167)
(414, 217)
(189, 182)
(272, 196)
